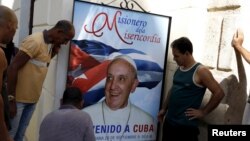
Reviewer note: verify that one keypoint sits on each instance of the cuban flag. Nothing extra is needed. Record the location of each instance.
(88, 64)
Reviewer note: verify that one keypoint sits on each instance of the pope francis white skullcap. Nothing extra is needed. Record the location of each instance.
(128, 59)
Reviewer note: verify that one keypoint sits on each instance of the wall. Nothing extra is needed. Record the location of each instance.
(209, 24)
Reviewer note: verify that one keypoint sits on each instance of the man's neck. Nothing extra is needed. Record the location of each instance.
(46, 36)
(189, 63)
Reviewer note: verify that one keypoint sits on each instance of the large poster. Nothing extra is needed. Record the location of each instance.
(102, 33)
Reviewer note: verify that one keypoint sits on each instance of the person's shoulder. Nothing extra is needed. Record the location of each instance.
(81, 113)
(49, 116)
(3, 60)
(202, 68)
(2, 52)
(1, 103)
(70, 114)
(141, 113)
(34, 35)
(31, 42)
(33, 38)
(204, 73)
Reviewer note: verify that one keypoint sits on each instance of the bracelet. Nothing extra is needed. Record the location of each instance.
(11, 97)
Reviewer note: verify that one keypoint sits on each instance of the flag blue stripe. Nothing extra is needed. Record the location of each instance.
(146, 65)
(91, 97)
(148, 85)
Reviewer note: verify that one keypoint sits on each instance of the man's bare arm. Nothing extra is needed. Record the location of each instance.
(208, 81)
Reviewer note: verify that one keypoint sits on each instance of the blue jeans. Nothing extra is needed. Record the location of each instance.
(20, 122)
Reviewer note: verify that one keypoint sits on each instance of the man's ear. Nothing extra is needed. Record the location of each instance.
(187, 53)
(135, 84)
(9, 26)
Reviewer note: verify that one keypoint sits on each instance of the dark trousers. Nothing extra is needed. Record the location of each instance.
(179, 133)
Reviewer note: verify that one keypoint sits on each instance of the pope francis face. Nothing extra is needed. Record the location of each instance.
(121, 81)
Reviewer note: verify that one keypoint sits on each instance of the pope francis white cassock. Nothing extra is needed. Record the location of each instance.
(116, 118)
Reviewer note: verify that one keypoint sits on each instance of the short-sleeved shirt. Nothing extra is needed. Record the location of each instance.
(67, 124)
(31, 76)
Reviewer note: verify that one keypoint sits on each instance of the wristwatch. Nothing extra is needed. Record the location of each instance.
(11, 97)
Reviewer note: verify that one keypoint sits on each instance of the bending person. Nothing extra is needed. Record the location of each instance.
(27, 72)
(68, 123)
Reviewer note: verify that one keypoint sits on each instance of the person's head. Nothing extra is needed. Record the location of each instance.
(61, 33)
(182, 49)
(72, 96)
(8, 24)
(121, 81)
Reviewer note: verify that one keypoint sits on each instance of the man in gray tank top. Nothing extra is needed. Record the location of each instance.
(182, 106)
